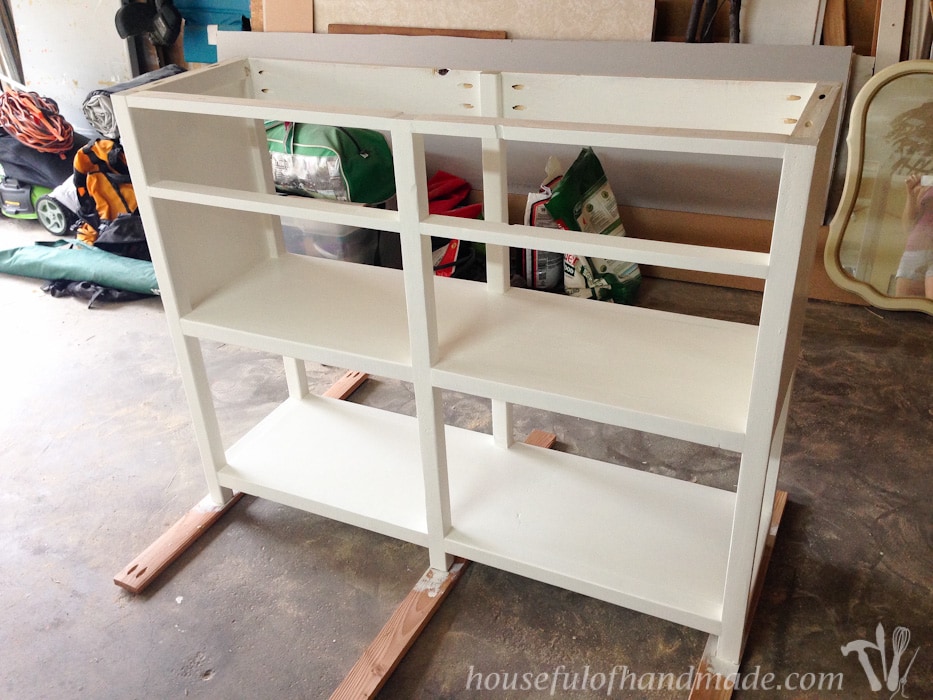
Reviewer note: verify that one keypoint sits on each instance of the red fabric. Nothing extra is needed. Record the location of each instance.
(447, 192)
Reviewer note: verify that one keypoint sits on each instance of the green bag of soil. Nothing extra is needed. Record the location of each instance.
(584, 201)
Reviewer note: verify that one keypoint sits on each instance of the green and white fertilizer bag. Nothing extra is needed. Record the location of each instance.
(541, 269)
(584, 201)
(330, 162)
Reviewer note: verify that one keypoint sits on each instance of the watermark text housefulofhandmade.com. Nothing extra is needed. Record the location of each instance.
(619, 680)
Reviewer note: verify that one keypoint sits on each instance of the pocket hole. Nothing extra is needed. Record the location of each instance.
(518, 108)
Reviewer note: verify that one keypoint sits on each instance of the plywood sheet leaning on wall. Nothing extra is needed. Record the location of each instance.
(281, 16)
(783, 22)
(626, 20)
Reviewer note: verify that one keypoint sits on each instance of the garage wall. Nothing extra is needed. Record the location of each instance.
(68, 48)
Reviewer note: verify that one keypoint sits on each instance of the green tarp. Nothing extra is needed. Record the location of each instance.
(82, 263)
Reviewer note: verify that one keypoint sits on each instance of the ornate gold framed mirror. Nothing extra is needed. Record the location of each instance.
(880, 242)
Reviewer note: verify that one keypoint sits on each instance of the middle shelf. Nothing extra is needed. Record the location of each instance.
(309, 308)
(615, 364)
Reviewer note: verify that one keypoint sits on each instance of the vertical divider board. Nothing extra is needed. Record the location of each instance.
(667, 547)
(417, 260)
(496, 208)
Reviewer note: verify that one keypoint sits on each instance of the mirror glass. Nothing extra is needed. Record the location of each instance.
(881, 238)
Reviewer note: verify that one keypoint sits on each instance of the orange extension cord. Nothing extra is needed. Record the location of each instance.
(35, 121)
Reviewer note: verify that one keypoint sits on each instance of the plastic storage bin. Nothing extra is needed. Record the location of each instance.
(332, 241)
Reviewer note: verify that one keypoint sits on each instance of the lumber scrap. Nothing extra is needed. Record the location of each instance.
(834, 23)
(338, 28)
(397, 636)
(371, 671)
(155, 558)
(346, 385)
(171, 544)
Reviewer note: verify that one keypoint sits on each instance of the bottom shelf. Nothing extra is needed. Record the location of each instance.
(646, 542)
(347, 462)
(635, 539)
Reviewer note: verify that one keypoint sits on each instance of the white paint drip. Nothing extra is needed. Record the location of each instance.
(434, 579)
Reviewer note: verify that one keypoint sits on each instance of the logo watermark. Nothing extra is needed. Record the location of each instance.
(563, 680)
(892, 677)
(896, 658)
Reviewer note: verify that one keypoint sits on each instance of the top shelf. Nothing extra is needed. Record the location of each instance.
(431, 100)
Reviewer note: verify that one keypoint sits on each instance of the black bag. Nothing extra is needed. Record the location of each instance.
(124, 236)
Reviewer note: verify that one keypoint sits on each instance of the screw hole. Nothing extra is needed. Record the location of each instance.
(443, 71)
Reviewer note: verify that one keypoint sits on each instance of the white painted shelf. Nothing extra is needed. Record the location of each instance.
(667, 547)
(655, 545)
(308, 454)
(363, 325)
(615, 364)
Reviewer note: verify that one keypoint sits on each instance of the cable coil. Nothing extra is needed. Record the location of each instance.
(35, 122)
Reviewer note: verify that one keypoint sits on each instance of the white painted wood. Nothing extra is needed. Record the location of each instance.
(310, 308)
(615, 364)
(770, 382)
(204, 415)
(678, 255)
(309, 454)
(744, 187)
(412, 193)
(296, 377)
(496, 209)
(737, 106)
(322, 210)
(677, 550)
(656, 545)
(890, 33)
(767, 501)
(177, 300)
(740, 105)
(782, 22)
(920, 30)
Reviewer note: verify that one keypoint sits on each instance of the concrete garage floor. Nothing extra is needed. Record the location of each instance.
(97, 459)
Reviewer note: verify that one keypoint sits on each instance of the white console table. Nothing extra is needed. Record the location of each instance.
(682, 551)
